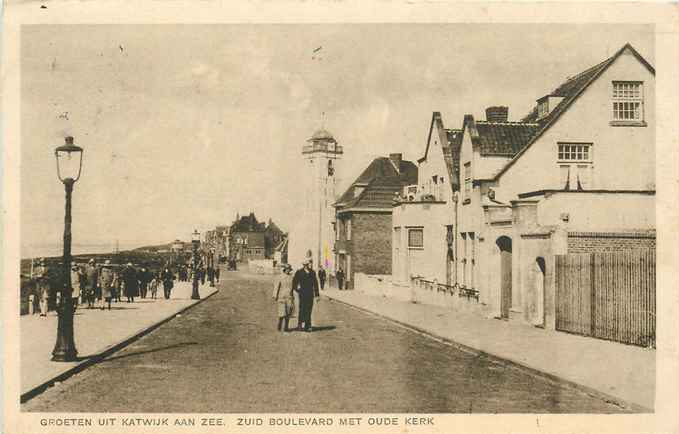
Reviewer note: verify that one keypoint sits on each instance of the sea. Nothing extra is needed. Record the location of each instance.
(49, 250)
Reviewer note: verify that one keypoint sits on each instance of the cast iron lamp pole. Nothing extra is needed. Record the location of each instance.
(195, 242)
(64, 348)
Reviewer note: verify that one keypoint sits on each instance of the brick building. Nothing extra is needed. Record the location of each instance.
(363, 217)
(247, 239)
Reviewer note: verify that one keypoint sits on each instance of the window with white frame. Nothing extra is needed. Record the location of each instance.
(575, 165)
(467, 182)
(574, 152)
(416, 238)
(348, 226)
(628, 101)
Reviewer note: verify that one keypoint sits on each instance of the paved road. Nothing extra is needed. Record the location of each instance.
(225, 356)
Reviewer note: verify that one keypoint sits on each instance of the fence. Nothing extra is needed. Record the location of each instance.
(607, 295)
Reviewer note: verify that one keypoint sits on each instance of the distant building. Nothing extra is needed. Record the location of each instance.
(364, 224)
(273, 236)
(247, 238)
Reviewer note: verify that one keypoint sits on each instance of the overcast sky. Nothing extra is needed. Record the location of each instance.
(185, 125)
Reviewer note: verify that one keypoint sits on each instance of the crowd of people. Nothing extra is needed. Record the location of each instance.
(98, 285)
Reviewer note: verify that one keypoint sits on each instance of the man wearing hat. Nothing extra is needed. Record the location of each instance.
(41, 275)
(305, 283)
(91, 283)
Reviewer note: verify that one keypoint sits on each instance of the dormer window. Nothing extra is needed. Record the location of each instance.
(543, 108)
(628, 103)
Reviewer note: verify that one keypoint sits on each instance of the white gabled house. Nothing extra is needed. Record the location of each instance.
(423, 215)
(577, 174)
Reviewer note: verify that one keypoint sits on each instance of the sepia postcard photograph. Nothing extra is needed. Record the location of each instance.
(333, 226)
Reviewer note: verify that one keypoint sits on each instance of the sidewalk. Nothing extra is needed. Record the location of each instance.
(624, 373)
(97, 332)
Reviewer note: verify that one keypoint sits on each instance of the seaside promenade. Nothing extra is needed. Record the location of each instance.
(98, 333)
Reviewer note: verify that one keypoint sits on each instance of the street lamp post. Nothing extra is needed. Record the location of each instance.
(195, 243)
(69, 165)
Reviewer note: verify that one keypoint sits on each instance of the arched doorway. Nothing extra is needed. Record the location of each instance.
(540, 268)
(505, 245)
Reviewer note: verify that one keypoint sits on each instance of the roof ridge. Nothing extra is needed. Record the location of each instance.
(588, 70)
(511, 123)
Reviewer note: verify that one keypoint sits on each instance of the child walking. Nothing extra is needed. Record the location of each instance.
(282, 294)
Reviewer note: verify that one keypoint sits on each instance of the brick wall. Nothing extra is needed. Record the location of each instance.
(585, 242)
(371, 239)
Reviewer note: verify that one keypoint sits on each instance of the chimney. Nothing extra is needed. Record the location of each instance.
(497, 114)
(396, 161)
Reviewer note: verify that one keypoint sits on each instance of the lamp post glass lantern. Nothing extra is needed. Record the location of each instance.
(69, 165)
(195, 243)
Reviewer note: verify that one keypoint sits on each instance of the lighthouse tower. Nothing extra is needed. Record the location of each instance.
(314, 231)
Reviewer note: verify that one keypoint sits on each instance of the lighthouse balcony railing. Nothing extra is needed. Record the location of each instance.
(322, 147)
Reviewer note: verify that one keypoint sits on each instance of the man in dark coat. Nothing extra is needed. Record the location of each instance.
(144, 279)
(321, 276)
(167, 277)
(131, 281)
(305, 283)
(340, 278)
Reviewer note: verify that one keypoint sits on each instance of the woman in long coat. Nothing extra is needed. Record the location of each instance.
(131, 283)
(107, 282)
(282, 293)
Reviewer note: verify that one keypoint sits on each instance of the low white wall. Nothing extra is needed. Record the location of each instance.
(417, 292)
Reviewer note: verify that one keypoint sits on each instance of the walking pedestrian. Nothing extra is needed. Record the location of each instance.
(305, 283)
(131, 281)
(282, 294)
(167, 278)
(153, 286)
(217, 273)
(144, 278)
(107, 282)
(201, 267)
(321, 276)
(340, 278)
(41, 274)
(91, 283)
(118, 286)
